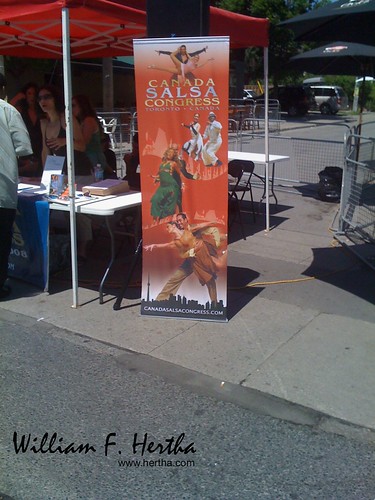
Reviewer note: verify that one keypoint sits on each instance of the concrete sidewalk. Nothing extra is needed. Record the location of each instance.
(305, 335)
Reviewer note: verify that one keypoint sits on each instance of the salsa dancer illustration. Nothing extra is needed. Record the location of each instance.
(167, 199)
(199, 257)
(214, 140)
(184, 64)
(194, 146)
(182, 54)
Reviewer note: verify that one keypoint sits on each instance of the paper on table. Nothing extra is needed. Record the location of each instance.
(53, 165)
(21, 186)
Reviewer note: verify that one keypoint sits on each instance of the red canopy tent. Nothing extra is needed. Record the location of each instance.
(97, 28)
(101, 28)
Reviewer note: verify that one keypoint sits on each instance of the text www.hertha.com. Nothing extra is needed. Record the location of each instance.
(156, 463)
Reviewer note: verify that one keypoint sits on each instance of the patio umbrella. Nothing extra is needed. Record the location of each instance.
(337, 58)
(349, 20)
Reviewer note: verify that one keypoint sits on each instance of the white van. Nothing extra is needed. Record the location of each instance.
(330, 98)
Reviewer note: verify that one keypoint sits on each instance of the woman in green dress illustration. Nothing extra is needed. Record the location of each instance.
(167, 198)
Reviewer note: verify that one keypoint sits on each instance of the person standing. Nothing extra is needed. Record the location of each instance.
(54, 143)
(214, 140)
(54, 134)
(27, 104)
(86, 115)
(15, 142)
(132, 161)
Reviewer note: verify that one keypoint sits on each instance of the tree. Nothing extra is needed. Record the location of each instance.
(282, 44)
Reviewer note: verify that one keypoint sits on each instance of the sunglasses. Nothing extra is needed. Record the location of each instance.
(44, 97)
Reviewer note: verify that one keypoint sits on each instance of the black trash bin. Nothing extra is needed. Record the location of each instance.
(329, 187)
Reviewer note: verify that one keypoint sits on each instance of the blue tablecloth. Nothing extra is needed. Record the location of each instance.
(28, 260)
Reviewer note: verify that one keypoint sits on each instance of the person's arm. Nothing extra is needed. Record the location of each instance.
(190, 126)
(45, 151)
(217, 125)
(78, 140)
(17, 100)
(151, 247)
(19, 134)
(185, 173)
(205, 225)
(165, 52)
(197, 52)
(89, 127)
(28, 166)
(194, 130)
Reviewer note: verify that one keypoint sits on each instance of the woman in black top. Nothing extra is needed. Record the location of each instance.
(26, 103)
(54, 132)
(54, 143)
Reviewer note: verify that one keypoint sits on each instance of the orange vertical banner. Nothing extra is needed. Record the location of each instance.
(182, 110)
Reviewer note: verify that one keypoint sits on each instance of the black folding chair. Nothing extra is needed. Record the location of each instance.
(235, 172)
(245, 183)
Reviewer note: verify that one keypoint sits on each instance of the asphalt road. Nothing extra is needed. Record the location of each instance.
(56, 382)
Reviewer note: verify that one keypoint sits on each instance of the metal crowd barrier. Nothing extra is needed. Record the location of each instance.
(357, 204)
(307, 157)
(233, 131)
(120, 126)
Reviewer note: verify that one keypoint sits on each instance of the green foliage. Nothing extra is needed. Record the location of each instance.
(239, 6)
(282, 45)
(370, 100)
(346, 82)
(367, 93)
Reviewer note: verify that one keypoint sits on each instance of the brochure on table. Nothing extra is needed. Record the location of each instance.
(52, 166)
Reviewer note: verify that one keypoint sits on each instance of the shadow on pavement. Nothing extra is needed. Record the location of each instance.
(250, 227)
(342, 269)
(239, 295)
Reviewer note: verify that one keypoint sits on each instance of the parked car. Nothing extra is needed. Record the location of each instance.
(294, 99)
(329, 98)
(249, 94)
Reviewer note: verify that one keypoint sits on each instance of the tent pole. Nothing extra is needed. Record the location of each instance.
(70, 150)
(266, 137)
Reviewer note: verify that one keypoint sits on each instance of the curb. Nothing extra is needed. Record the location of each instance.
(252, 399)
(205, 385)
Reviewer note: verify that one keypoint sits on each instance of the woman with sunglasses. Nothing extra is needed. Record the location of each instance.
(54, 143)
(54, 134)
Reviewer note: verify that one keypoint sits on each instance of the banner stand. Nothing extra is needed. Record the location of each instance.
(182, 109)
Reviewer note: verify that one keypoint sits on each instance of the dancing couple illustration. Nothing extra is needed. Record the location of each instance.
(198, 246)
(196, 148)
(184, 64)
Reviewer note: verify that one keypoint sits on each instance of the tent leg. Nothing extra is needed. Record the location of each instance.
(266, 138)
(70, 149)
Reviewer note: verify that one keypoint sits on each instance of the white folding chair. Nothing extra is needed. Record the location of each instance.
(110, 129)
